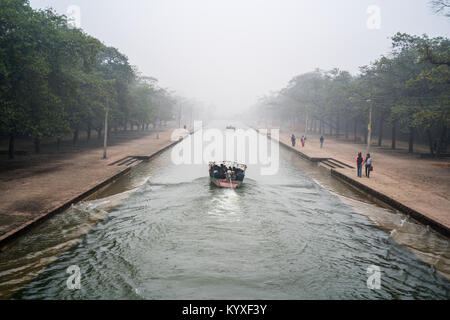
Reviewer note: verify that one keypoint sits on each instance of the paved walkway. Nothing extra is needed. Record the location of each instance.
(33, 191)
(421, 184)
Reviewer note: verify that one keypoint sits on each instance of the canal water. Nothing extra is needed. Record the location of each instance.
(164, 232)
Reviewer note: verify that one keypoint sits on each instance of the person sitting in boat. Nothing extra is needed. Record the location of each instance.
(223, 171)
(213, 170)
(240, 175)
(228, 177)
(233, 173)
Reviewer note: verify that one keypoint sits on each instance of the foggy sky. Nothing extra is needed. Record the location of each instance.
(229, 52)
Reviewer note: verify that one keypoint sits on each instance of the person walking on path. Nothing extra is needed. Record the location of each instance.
(359, 163)
(321, 142)
(303, 141)
(293, 140)
(368, 165)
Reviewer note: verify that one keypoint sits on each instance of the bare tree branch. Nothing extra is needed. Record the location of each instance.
(441, 7)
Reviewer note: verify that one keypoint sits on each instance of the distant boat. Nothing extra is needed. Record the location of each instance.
(231, 127)
(227, 174)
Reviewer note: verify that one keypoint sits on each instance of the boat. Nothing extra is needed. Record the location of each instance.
(231, 128)
(227, 174)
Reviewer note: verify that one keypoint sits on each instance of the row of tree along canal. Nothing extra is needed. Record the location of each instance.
(55, 81)
(408, 90)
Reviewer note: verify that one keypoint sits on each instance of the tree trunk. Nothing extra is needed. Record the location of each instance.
(88, 132)
(355, 131)
(338, 127)
(37, 145)
(430, 141)
(380, 132)
(442, 142)
(107, 131)
(11, 146)
(366, 134)
(58, 144)
(411, 140)
(99, 133)
(346, 129)
(394, 134)
(75, 137)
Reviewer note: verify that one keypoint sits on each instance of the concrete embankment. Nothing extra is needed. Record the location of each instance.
(33, 196)
(406, 196)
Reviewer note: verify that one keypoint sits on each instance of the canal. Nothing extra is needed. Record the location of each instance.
(164, 232)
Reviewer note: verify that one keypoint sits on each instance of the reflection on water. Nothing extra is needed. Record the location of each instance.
(172, 235)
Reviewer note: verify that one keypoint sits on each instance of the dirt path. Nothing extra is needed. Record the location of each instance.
(38, 186)
(421, 184)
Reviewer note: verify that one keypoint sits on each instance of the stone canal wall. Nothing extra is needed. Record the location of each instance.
(69, 182)
(346, 173)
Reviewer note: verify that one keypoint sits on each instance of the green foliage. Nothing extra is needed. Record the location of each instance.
(55, 79)
(409, 87)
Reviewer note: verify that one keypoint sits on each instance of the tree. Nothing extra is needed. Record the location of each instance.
(115, 66)
(408, 88)
(441, 7)
(56, 80)
(429, 87)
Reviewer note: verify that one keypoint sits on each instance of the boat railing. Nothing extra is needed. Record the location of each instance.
(228, 164)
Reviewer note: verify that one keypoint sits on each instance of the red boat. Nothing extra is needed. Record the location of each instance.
(227, 174)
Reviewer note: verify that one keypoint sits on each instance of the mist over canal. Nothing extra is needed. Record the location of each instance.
(164, 232)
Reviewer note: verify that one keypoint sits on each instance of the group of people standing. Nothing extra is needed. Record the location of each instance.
(302, 140)
(360, 161)
(224, 172)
